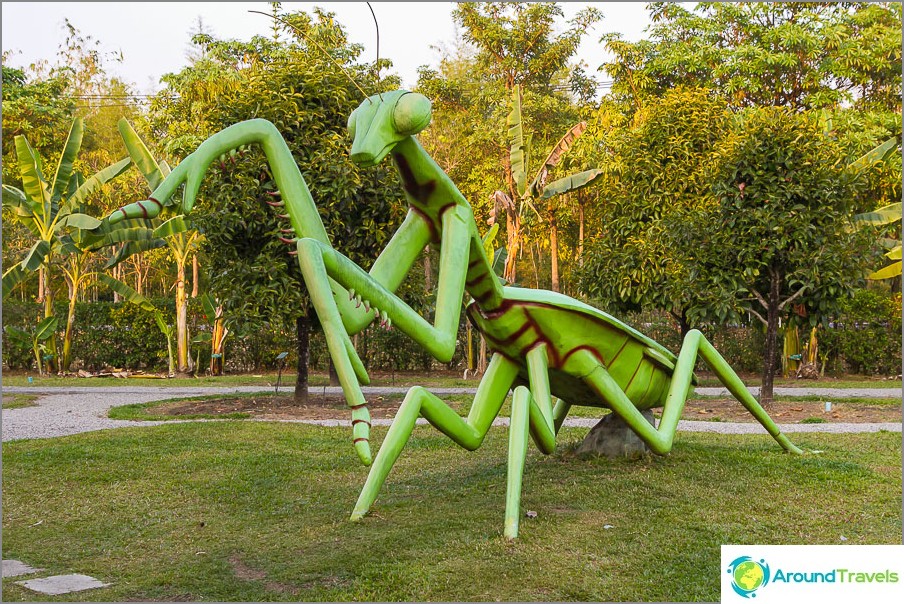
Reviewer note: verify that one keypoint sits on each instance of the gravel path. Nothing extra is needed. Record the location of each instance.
(64, 411)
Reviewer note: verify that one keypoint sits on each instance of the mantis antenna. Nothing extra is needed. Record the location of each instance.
(377, 62)
(314, 42)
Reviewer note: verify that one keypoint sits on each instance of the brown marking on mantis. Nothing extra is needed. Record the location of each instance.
(420, 192)
(625, 343)
(476, 280)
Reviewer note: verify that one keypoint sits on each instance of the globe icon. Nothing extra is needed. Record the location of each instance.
(748, 575)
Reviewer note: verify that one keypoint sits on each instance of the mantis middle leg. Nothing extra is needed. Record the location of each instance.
(467, 432)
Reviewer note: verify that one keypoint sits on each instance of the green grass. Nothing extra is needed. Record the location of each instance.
(18, 401)
(252, 511)
(814, 420)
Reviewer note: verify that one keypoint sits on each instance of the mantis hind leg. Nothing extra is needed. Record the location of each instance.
(660, 440)
(468, 432)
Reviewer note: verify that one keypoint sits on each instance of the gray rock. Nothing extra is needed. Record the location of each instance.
(14, 568)
(611, 437)
(61, 584)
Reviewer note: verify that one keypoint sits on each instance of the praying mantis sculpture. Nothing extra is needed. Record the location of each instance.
(544, 344)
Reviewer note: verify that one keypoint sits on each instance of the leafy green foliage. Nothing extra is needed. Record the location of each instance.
(655, 166)
(866, 335)
(801, 55)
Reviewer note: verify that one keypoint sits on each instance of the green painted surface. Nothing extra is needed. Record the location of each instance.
(544, 344)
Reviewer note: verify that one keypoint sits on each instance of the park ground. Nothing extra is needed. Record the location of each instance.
(255, 511)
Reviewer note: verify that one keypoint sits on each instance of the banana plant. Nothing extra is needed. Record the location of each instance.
(537, 188)
(130, 295)
(885, 215)
(54, 212)
(42, 332)
(216, 337)
(168, 231)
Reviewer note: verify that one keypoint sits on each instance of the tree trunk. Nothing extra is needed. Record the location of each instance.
(772, 313)
(681, 319)
(554, 249)
(428, 271)
(302, 339)
(70, 323)
(513, 230)
(580, 229)
(194, 276)
(181, 320)
(53, 364)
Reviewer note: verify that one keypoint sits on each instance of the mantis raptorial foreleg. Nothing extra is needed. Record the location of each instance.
(660, 439)
(340, 312)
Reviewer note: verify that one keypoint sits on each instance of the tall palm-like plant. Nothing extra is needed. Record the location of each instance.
(54, 211)
(166, 231)
(885, 215)
(537, 188)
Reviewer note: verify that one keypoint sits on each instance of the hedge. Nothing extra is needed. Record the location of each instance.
(865, 338)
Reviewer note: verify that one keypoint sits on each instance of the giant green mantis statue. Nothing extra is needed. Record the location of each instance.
(544, 344)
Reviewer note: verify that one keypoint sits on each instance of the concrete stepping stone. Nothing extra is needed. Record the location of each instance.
(61, 584)
(14, 568)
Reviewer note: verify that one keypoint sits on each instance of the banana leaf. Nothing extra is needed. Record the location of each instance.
(555, 156)
(878, 153)
(884, 215)
(17, 201)
(890, 271)
(140, 155)
(18, 335)
(894, 254)
(517, 150)
(36, 255)
(99, 179)
(173, 226)
(208, 303)
(127, 292)
(162, 324)
(488, 240)
(499, 259)
(30, 170)
(134, 247)
(45, 329)
(571, 183)
(67, 159)
(79, 221)
(13, 277)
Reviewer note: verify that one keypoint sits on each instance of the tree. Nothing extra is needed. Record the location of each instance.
(805, 55)
(516, 41)
(655, 165)
(502, 45)
(777, 231)
(292, 84)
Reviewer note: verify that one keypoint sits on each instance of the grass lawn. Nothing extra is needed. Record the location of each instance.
(18, 400)
(257, 511)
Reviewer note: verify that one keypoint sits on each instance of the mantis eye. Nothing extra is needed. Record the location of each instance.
(411, 113)
(351, 123)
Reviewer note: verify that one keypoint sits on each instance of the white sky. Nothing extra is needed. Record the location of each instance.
(154, 36)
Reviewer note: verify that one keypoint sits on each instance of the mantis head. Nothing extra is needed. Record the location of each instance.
(383, 121)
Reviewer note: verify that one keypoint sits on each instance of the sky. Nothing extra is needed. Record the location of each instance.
(154, 37)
